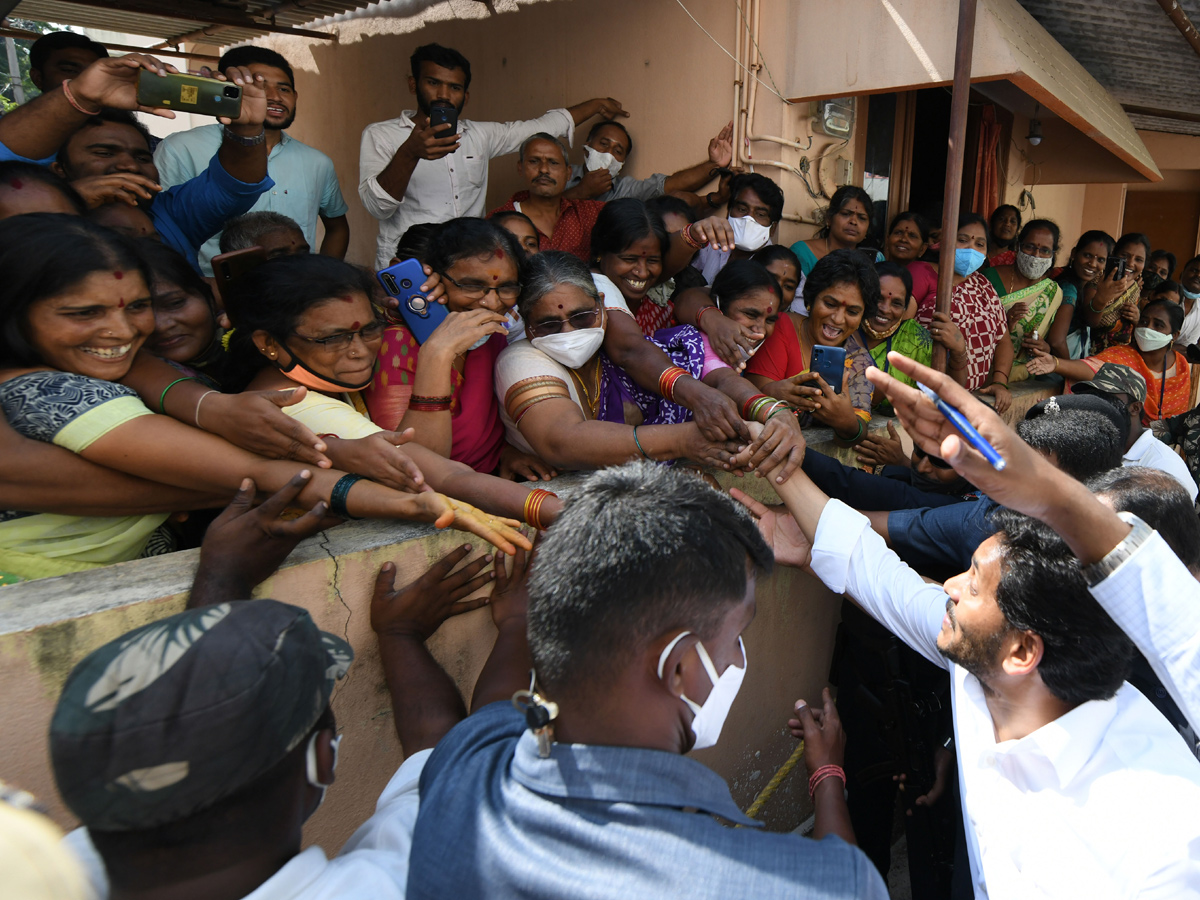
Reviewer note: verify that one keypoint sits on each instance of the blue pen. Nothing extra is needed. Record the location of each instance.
(966, 429)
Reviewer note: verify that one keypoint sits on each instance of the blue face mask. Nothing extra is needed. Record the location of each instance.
(967, 260)
(1189, 294)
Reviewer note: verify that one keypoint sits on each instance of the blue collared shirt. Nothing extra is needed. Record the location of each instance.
(305, 183)
(939, 542)
(497, 821)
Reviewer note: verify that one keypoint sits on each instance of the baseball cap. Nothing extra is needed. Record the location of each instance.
(1113, 378)
(174, 716)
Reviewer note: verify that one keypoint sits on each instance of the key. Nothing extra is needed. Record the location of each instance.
(539, 716)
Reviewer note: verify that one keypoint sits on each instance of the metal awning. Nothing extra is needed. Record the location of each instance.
(219, 22)
(901, 45)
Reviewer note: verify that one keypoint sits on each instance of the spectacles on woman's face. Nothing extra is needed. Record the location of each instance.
(1030, 249)
(588, 318)
(343, 339)
(474, 290)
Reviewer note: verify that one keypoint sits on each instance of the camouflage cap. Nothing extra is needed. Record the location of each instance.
(1113, 378)
(178, 714)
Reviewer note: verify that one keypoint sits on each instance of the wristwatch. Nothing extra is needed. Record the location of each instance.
(1098, 571)
(246, 141)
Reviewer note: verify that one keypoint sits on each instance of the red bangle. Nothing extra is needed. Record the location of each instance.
(686, 234)
(700, 315)
(533, 507)
(666, 382)
(429, 404)
(66, 88)
(830, 771)
(750, 402)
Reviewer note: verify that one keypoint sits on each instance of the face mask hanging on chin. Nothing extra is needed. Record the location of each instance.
(301, 374)
(709, 716)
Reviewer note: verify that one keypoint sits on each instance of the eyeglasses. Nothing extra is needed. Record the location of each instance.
(340, 341)
(585, 319)
(510, 290)
(936, 461)
(1035, 250)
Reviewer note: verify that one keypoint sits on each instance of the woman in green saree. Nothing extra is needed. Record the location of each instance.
(1030, 296)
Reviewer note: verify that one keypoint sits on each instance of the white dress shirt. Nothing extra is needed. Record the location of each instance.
(1190, 332)
(440, 189)
(1103, 802)
(1156, 601)
(373, 864)
(1150, 452)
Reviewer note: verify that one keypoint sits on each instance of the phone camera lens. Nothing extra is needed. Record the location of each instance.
(405, 283)
(231, 92)
(390, 283)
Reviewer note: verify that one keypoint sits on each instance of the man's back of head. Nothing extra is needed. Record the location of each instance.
(1082, 439)
(1160, 501)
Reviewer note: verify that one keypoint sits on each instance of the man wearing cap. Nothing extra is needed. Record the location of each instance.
(194, 748)
(1126, 388)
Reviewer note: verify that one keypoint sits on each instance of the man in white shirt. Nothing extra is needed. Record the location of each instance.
(412, 172)
(193, 785)
(1189, 285)
(306, 186)
(1073, 785)
(1127, 389)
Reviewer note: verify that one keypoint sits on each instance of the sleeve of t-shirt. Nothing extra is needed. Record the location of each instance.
(639, 188)
(711, 361)
(502, 138)
(497, 722)
(174, 165)
(7, 155)
(200, 207)
(862, 490)
(941, 539)
(325, 415)
(391, 826)
(613, 298)
(333, 204)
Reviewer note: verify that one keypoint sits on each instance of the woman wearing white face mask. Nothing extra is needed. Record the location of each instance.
(564, 400)
(1030, 295)
(1164, 369)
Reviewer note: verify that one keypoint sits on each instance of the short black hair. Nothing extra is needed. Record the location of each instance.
(251, 55)
(844, 267)
(885, 268)
(637, 551)
(1133, 237)
(668, 204)
(440, 56)
(621, 222)
(41, 49)
(1085, 441)
(44, 254)
(1160, 501)
(504, 215)
(107, 117)
(1166, 286)
(739, 277)
(595, 129)
(1175, 311)
(15, 171)
(1036, 224)
(414, 243)
(768, 191)
(1086, 656)
(1168, 256)
(246, 230)
(468, 237)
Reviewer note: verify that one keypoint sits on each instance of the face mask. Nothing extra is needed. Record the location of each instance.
(301, 374)
(571, 348)
(967, 260)
(1151, 280)
(479, 343)
(1032, 267)
(1190, 295)
(310, 762)
(749, 234)
(515, 325)
(1148, 339)
(593, 160)
(709, 717)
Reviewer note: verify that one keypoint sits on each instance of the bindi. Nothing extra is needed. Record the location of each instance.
(118, 275)
(499, 253)
(355, 326)
(120, 304)
(16, 184)
(346, 298)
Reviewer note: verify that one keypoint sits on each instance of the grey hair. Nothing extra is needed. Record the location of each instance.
(247, 230)
(543, 136)
(545, 271)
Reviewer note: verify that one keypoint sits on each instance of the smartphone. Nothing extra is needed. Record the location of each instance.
(443, 113)
(403, 281)
(830, 364)
(189, 93)
(229, 267)
(1114, 264)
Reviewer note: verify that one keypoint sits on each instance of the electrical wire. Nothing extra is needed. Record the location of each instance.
(770, 87)
(762, 56)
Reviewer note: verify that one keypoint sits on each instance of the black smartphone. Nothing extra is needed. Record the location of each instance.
(1114, 264)
(830, 364)
(443, 113)
(229, 267)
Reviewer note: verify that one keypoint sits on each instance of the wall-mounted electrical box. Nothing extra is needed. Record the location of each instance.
(843, 171)
(835, 117)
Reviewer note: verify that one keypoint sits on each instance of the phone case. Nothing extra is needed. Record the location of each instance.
(403, 281)
(444, 115)
(229, 267)
(190, 93)
(830, 364)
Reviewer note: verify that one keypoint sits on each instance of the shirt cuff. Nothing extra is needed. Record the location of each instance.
(838, 532)
(231, 185)
(7, 155)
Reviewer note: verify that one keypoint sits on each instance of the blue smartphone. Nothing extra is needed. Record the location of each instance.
(830, 364)
(403, 281)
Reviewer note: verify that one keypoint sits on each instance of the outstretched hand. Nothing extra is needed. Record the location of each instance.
(419, 608)
(781, 532)
(255, 421)
(112, 83)
(821, 729)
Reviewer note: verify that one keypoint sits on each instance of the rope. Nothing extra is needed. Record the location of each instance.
(776, 780)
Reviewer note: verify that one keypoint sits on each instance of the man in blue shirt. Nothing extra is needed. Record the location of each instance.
(636, 605)
(306, 186)
(83, 129)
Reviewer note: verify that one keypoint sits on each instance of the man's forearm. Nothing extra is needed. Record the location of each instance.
(581, 112)
(507, 668)
(246, 164)
(692, 178)
(37, 129)
(337, 237)
(425, 702)
(1089, 527)
(396, 174)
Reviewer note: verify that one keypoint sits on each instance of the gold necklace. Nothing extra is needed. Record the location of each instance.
(592, 400)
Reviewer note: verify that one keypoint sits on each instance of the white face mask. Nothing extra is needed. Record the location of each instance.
(571, 348)
(1032, 267)
(593, 160)
(749, 234)
(710, 716)
(1148, 339)
(310, 762)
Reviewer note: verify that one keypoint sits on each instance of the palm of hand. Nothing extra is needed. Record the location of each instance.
(782, 533)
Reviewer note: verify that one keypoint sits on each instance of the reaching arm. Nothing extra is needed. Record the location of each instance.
(337, 236)
(247, 164)
(604, 107)
(720, 155)
(507, 668)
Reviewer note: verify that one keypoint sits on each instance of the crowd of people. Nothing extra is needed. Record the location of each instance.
(1019, 649)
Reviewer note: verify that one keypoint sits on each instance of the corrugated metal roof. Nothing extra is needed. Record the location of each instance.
(1133, 50)
(160, 24)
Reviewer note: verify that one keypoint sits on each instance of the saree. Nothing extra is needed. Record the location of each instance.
(1044, 299)
(1113, 330)
(1163, 398)
(685, 346)
(976, 309)
(912, 339)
